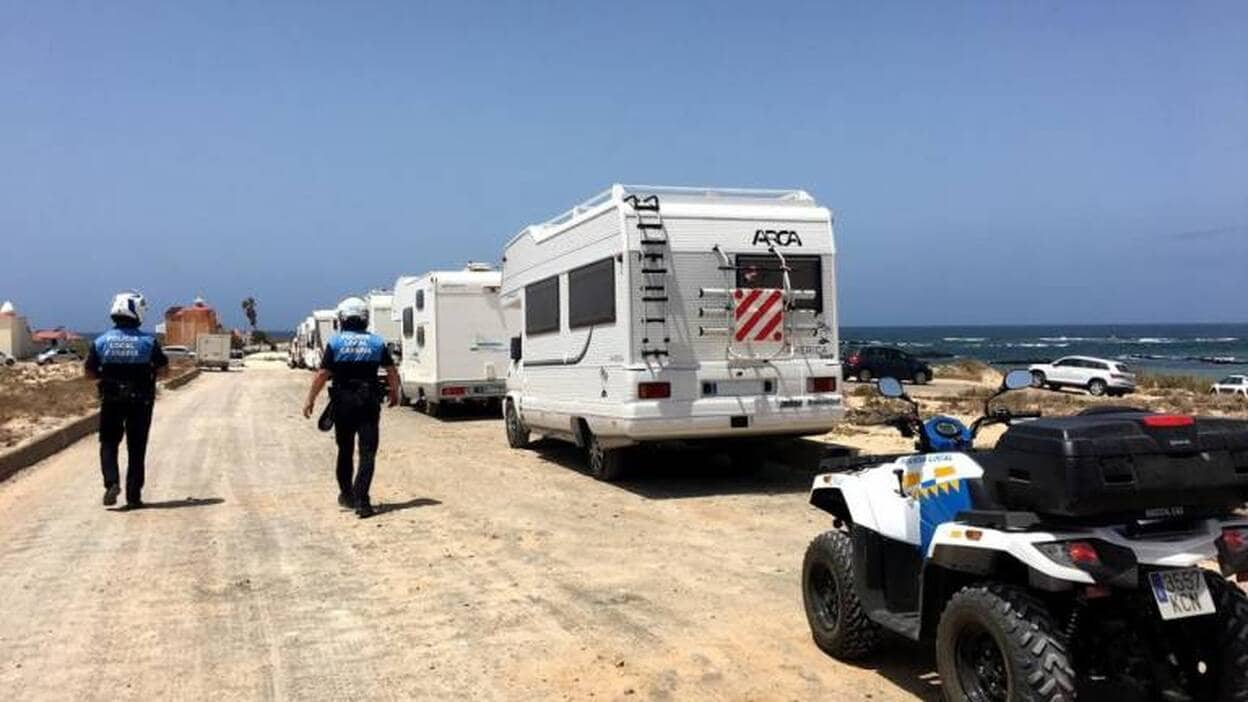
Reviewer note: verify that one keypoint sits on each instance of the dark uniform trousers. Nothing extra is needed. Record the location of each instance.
(348, 424)
(133, 420)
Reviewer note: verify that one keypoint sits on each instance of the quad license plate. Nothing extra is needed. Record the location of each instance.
(1181, 593)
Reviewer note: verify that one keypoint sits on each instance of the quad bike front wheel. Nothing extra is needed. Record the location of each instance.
(997, 643)
(837, 621)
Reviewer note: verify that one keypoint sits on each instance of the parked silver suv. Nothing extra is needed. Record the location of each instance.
(1098, 376)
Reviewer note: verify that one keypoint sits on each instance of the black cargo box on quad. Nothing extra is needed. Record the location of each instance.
(1124, 463)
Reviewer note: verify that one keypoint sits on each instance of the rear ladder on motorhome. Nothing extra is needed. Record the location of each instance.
(655, 257)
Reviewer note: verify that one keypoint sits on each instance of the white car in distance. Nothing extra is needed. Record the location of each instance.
(1231, 385)
(1098, 376)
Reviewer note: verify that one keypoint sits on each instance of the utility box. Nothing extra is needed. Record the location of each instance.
(213, 351)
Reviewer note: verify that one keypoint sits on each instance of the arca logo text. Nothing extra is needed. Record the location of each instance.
(777, 237)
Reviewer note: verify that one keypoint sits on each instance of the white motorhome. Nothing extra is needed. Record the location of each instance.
(299, 343)
(655, 314)
(453, 337)
(324, 325)
(381, 318)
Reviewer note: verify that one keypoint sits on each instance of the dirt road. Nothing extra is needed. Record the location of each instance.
(489, 574)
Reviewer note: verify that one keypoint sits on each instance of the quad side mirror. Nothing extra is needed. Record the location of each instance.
(1016, 379)
(890, 387)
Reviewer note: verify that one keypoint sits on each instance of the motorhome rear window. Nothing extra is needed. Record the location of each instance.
(541, 306)
(591, 294)
(805, 273)
(407, 322)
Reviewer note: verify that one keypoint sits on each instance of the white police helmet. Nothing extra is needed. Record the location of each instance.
(353, 308)
(129, 305)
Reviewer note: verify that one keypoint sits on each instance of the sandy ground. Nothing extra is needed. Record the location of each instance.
(490, 573)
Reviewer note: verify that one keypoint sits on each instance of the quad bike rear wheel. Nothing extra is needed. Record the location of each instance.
(998, 643)
(837, 621)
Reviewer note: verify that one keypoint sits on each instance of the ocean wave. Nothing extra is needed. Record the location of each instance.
(964, 338)
(1215, 339)
(1035, 345)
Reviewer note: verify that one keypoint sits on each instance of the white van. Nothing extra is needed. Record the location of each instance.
(654, 314)
(453, 337)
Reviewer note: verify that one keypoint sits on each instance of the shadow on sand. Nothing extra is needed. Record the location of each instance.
(452, 413)
(782, 467)
(171, 504)
(383, 507)
(908, 665)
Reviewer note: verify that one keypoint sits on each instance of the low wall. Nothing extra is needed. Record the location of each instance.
(40, 447)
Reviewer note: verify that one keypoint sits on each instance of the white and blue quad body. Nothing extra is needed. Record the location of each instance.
(1019, 606)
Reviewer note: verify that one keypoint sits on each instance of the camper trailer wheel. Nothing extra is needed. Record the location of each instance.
(605, 464)
(837, 621)
(997, 642)
(517, 433)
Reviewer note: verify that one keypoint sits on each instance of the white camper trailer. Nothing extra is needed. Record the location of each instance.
(324, 325)
(380, 317)
(453, 337)
(654, 314)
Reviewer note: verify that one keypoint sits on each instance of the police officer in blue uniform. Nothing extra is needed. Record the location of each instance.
(352, 359)
(125, 361)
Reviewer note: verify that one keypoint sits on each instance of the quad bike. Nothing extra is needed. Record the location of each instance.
(1073, 558)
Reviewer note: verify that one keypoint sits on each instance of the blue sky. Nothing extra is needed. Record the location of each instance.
(988, 162)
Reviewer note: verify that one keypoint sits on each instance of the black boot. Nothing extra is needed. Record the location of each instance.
(364, 508)
(346, 501)
(110, 495)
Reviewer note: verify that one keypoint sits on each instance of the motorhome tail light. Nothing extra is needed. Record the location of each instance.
(1168, 421)
(454, 391)
(821, 384)
(654, 391)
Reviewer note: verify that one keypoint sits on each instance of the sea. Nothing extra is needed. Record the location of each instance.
(1209, 350)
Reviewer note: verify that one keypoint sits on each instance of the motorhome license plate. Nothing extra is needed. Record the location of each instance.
(1181, 593)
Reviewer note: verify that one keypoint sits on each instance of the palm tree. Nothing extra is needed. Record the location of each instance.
(249, 309)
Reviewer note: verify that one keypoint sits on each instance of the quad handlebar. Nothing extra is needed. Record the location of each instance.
(950, 430)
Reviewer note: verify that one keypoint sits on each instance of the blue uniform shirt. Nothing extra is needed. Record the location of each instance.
(128, 355)
(352, 355)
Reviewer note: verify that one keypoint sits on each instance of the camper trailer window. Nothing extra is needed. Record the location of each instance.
(408, 322)
(420, 299)
(541, 306)
(591, 294)
(805, 273)
(420, 335)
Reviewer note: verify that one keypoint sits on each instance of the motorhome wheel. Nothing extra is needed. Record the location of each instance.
(997, 643)
(837, 621)
(605, 464)
(517, 433)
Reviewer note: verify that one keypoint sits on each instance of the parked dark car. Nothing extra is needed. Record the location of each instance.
(871, 362)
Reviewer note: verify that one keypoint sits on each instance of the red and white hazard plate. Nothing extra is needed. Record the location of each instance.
(758, 317)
